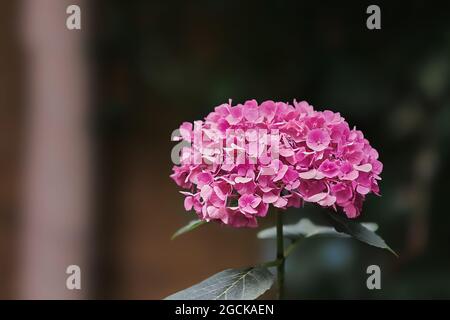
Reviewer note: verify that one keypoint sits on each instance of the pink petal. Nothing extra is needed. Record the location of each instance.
(280, 203)
(319, 175)
(362, 190)
(235, 115)
(188, 203)
(268, 110)
(286, 152)
(351, 211)
(316, 197)
(327, 201)
(281, 173)
(364, 168)
(351, 176)
(270, 197)
(308, 174)
(206, 192)
(250, 110)
(214, 212)
(249, 209)
(243, 179)
(219, 193)
(318, 139)
(266, 188)
(267, 171)
(256, 202)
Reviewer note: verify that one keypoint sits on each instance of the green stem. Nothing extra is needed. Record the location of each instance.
(280, 255)
(291, 247)
(269, 264)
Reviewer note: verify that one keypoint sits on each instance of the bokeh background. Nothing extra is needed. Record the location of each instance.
(86, 119)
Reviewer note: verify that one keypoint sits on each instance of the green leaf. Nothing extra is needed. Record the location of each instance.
(358, 231)
(305, 228)
(230, 284)
(189, 227)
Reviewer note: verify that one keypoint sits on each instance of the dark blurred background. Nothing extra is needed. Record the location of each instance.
(86, 119)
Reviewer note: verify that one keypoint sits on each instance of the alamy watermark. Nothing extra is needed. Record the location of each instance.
(73, 21)
(73, 281)
(373, 22)
(234, 146)
(374, 280)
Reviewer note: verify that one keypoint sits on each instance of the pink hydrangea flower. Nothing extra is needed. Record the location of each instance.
(246, 157)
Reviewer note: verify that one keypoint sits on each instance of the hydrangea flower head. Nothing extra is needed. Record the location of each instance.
(241, 159)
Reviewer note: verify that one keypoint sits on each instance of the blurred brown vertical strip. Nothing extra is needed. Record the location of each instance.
(10, 124)
(55, 231)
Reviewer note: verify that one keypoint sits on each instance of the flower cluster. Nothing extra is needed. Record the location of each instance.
(312, 156)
